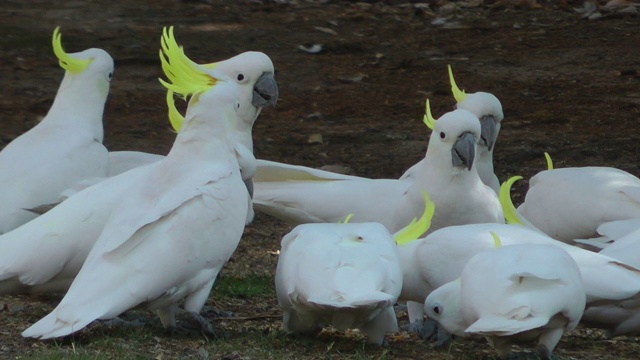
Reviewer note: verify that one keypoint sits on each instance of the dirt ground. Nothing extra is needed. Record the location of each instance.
(569, 82)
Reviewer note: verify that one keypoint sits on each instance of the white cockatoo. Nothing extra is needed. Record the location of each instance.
(344, 275)
(261, 92)
(186, 213)
(68, 231)
(439, 258)
(511, 294)
(447, 173)
(572, 203)
(488, 109)
(66, 146)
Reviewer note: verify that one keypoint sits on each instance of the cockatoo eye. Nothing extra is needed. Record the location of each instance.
(109, 76)
(436, 309)
(240, 77)
(442, 135)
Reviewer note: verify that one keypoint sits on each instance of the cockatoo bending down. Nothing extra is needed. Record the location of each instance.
(439, 258)
(175, 227)
(571, 203)
(511, 294)
(68, 231)
(66, 146)
(345, 275)
(447, 173)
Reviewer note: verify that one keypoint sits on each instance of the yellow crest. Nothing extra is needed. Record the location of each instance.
(175, 117)
(185, 76)
(74, 66)
(346, 219)
(417, 227)
(428, 118)
(549, 161)
(458, 94)
(496, 240)
(510, 212)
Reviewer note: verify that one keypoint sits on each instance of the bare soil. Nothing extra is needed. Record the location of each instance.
(569, 86)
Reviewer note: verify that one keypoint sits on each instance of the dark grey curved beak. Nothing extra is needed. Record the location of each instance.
(488, 131)
(463, 151)
(265, 91)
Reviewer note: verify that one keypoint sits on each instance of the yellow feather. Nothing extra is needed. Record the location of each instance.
(496, 240)
(549, 161)
(74, 66)
(510, 212)
(458, 94)
(417, 227)
(185, 77)
(428, 118)
(346, 219)
(175, 117)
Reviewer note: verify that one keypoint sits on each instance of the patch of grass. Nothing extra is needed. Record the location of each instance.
(245, 287)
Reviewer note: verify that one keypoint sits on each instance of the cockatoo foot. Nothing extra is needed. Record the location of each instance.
(211, 312)
(190, 323)
(119, 322)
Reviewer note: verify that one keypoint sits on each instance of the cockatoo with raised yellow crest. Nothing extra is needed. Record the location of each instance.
(488, 109)
(511, 294)
(186, 213)
(66, 146)
(260, 92)
(447, 173)
(68, 231)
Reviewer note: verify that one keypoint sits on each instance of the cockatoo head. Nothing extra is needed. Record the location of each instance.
(443, 306)
(457, 133)
(483, 105)
(252, 72)
(92, 66)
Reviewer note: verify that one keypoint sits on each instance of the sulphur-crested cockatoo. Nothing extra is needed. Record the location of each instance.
(345, 275)
(187, 214)
(261, 91)
(447, 173)
(571, 203)
(488, 109)
(438, 258)
(68, 232)
(511, 294)
(66, 146)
